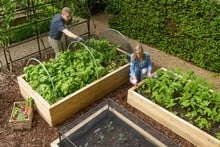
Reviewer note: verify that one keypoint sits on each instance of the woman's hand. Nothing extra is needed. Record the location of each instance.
(149, 74)
(134, 80)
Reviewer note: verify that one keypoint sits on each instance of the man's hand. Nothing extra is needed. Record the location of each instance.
(79, 38)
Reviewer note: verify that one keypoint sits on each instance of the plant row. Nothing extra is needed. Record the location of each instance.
(74, 69)
(187, 96)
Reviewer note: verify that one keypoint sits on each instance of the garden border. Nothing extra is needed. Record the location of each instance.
(181, 127)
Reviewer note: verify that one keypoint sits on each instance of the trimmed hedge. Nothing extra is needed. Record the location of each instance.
(187, 29)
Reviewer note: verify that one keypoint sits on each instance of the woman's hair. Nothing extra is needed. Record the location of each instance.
(138, 49)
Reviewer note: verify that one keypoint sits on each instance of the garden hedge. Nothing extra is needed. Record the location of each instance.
(187, 29)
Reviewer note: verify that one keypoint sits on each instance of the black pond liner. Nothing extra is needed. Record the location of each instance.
(105, 128)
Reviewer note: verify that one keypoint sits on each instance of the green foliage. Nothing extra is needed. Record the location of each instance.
(187, 29)
(73, 70)
(109, 126)
(122, 138)
(187, 93)
(7, 10)
(38, 16)
(113, 6)
(83, 8)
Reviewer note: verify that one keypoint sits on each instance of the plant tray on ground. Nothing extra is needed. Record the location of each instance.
(74, 89)
(21, 116)
(181, 104)
(109, 124)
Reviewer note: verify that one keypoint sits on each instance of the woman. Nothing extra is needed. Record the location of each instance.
(140, 65)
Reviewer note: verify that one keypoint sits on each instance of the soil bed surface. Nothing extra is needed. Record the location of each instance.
(106, 132)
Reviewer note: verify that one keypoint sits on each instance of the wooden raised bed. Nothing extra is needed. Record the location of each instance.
(65, 108)
(181, 127)
(86, 129)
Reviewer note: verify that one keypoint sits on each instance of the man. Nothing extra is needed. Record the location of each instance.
(57, 28)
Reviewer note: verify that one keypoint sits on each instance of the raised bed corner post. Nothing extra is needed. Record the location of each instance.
(38, 39)
(34, 9)
(88, 17)
(8, 10)
(7, 55)
(88, 26)
(1, 65)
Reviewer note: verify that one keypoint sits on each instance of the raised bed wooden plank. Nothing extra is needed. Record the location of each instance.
(65, 108)
(171, 121)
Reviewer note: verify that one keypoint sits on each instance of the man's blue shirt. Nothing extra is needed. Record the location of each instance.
(56, 27)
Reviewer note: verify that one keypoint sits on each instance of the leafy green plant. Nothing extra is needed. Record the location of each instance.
(85, 145)
(109, 126)
(186, 95)
(73, 69)
(218, 135)
(100, 138)
(122, 138)
(7, 11)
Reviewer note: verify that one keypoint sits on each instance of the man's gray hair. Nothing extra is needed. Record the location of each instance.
(66, 10)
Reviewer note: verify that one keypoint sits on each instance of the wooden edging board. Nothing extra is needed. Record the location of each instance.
(181, 127)
(145, 134)
(66, 107)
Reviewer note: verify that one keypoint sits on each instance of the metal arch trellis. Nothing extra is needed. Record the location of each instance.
(54, 90)
(37, 36)
(1, 65)
(119, 39)
(90, 53)
(24, 11)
